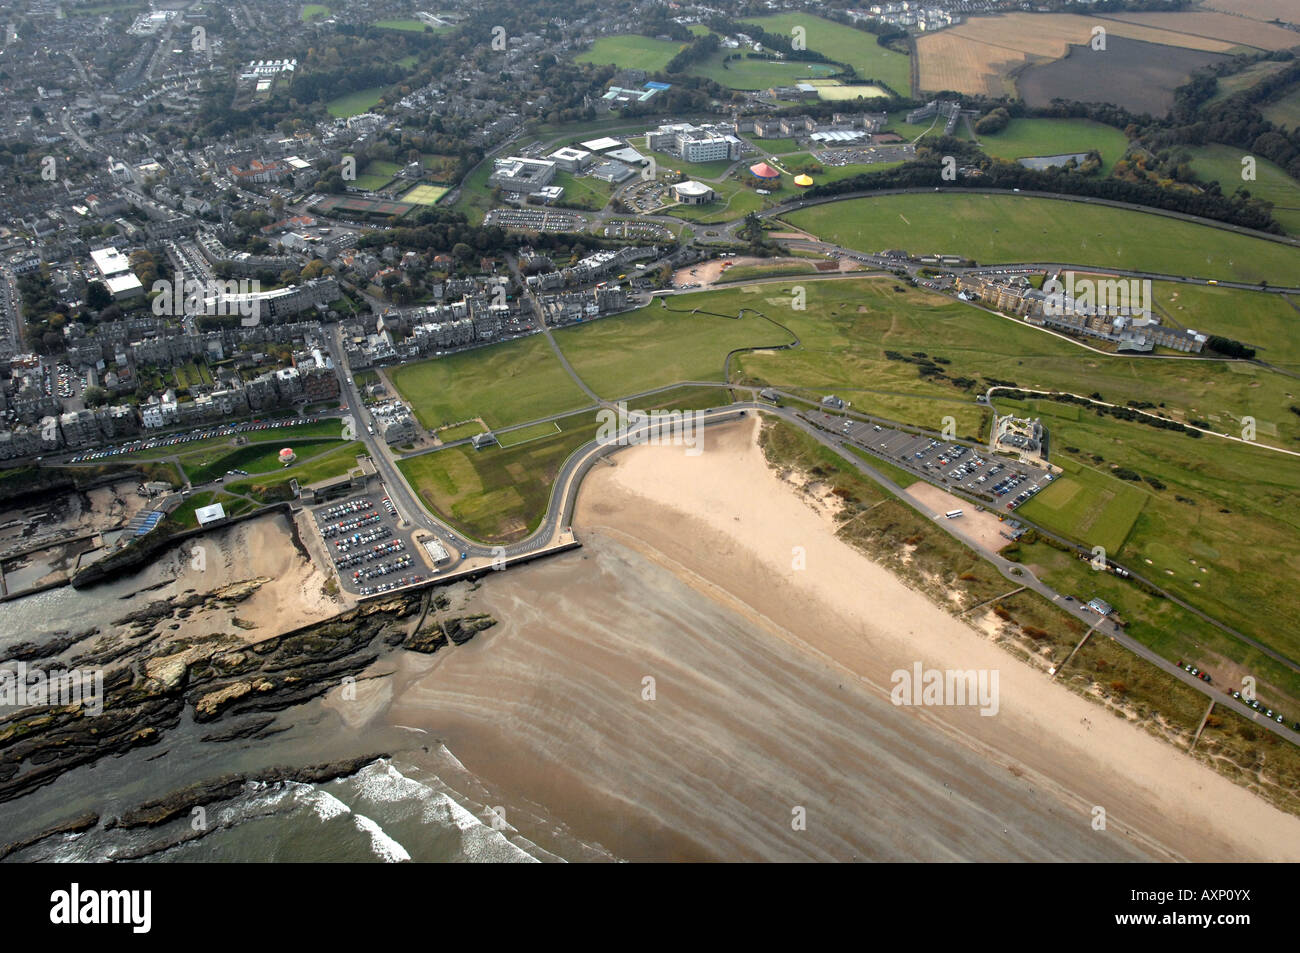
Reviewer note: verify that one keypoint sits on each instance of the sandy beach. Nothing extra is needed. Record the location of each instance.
(771, 699)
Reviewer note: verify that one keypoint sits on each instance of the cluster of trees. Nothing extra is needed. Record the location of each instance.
(925, 171)
(1230, 348)
(1236, 120)
(994, 121)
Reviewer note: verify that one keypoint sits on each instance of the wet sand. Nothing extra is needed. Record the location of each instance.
(771, 695)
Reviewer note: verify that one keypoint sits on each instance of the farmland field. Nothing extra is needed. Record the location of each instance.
(631, 51)
(980, 55)
(1215, 26)
(1007, 228)
(314, 11)
(843, 44)
(1222, 164)
(1044, 137)
(1260, 9)
(1139, 76)
(507, 383)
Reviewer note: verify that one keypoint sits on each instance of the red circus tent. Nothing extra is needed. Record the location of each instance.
(764, 171)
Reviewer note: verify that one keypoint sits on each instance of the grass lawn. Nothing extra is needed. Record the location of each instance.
(531, 432)
(508, 383)
(651, 347)
(279, 435)
(631, 51)
(271, 487)
(583, 191)
(751, 73)
(497, 494)
(1024, 138)
(255, 458)
(1222, 164)
(1015, 228)
(1261, 320)
(354, 104)
(314, 11)
(1088, 505)
(460, 431)
(1223, 532)
(855, 48)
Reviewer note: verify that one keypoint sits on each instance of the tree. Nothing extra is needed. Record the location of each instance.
(98, 297)
(94, 396)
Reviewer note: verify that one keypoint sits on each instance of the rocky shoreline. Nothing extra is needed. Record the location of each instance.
(154, 681)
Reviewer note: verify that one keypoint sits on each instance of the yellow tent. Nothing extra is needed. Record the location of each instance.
(803, 180)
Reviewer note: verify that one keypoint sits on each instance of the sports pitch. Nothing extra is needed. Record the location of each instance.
(425, 194)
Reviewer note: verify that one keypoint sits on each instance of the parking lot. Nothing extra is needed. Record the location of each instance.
(370, 551)
(1003, 482)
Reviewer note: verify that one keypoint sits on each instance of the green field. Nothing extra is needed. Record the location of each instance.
(855, 48)
(269, 488)
(631, 51)
(1266, 322)
(525, 434)
(1284, 110)
(508, 383)
(652, 347)
(1222, 164)
(497, 494)
(1025, 138)
(460, 431)
(751, 73)
(583, 191)
(1090, 506)
(354, 104)
(1015, 228)
(255, 458)
(1223, 533)
(314, 11)
(1236, 82)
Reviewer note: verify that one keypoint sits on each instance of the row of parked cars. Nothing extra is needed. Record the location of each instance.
(347, 526)
(386, 586)
(203, 433)
(370, 555)
(1252, 703)
(360, 539)
(383, 569)
(343, 509)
